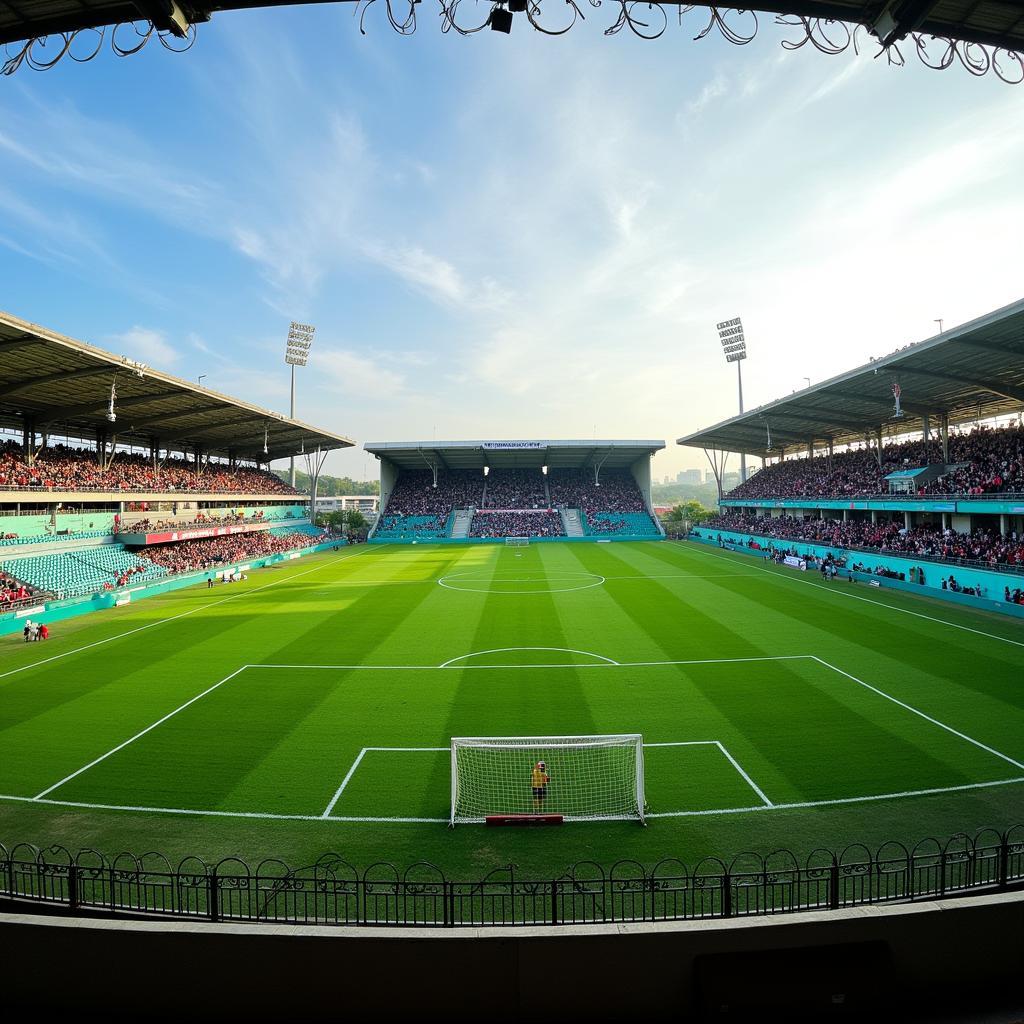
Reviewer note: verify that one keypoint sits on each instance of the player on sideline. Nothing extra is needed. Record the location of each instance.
(539, 780)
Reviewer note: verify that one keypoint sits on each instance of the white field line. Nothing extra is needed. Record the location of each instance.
(601, 664)
(444, 821)
(503, 650)
(843, 592)
(148, 728)
(927, 718)
(842, 800)
(355, 765)
(746, 778)
(181, 615)
(686, 576)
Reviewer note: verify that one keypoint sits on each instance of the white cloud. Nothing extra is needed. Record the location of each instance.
(150, 346)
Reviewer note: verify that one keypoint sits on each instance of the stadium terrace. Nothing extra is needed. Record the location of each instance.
(465, 491)
(911, 459)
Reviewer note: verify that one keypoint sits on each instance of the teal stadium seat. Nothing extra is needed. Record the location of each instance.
(632, 524)
(81, 571)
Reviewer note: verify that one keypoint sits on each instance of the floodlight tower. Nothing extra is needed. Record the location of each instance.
(734, 345)
(296, 353)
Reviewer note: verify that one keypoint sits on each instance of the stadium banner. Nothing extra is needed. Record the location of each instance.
(514, 445)
(197, 533)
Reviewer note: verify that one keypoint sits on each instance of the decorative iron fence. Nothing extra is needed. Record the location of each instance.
(333, 892)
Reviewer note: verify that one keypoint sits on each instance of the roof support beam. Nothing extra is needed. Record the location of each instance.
(70, 411)
(198, 410)
(996, 387)
(23, 341)
(50, 378)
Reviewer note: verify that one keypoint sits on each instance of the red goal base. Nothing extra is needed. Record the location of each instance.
(523, 819)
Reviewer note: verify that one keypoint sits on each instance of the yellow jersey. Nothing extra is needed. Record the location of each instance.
(540, 778)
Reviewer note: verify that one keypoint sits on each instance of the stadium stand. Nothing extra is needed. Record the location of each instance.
(614, 507)
(14, 593)
(984, 461)
(81, 572)
(931, 542)
(193, 555)
(518, 523)
(515, 488)
(63, 468)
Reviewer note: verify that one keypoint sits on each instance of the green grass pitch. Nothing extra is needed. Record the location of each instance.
(287, 715)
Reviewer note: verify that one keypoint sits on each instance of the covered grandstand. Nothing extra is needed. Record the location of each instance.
(908, 470)
(115, 475)
(966, 374)
(492, 490)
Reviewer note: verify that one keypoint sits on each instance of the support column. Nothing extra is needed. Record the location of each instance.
(101, 448)
(945, 520)
(846, 515)
(926, 428)
(28, 439)
(878, 451)
(944, 436)
(908, 521)
(1004, 524)
(874, 516)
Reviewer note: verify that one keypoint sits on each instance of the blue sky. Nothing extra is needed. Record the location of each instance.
(504, 236)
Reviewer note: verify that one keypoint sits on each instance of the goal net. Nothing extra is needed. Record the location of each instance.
(517, 542)
(583, 778)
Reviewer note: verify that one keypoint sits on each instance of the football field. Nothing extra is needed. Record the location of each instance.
(310, 709)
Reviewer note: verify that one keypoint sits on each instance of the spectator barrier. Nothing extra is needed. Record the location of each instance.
(992, 582)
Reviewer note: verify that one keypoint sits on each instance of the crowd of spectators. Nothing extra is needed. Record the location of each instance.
(412, 524)
(984, 461)
(59, 467)
(575, 488)
(515, 488)
(415, 494)
(193, 555)
(605, 525)
(200, 520)
(13, 592)
(542, 523)
(923, 541)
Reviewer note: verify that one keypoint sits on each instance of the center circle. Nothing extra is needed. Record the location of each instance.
(519, 581)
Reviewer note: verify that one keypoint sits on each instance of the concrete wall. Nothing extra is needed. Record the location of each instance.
(876, 960)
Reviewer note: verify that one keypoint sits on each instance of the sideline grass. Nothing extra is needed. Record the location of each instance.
(278, 741)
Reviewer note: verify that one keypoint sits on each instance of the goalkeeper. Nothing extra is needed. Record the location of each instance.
(539, 780)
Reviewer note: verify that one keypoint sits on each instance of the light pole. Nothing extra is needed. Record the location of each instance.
(200, 380)
(734, 347)
(296, 353)
(939, 321)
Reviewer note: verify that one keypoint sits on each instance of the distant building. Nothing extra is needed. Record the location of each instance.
(730, 480)
(689, 476)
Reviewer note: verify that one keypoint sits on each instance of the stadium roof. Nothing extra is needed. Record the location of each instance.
(508, 454)
(999, 23)
(64, 386)
(972, 371)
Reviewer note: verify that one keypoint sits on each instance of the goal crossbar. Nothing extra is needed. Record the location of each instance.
(582, 778)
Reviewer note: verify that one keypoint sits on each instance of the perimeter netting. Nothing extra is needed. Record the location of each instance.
(587, 777)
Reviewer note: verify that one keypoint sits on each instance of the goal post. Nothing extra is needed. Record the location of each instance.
(517, 542)
(582, 778)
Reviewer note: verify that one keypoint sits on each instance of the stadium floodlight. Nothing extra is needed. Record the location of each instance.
(734, 347)
(296, 353)
(585, 778)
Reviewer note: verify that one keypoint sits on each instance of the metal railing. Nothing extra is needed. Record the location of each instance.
(333, 892)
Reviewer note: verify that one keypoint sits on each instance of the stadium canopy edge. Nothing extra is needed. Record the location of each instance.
(974, 371)
(53, 384)
(506, 454)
